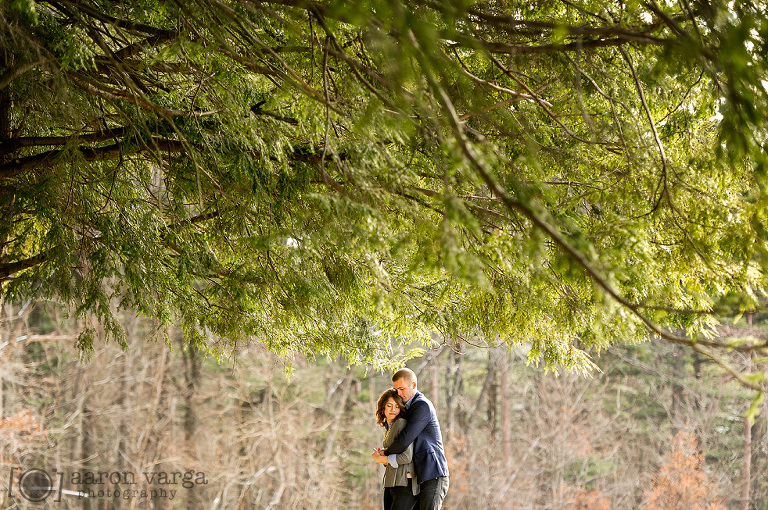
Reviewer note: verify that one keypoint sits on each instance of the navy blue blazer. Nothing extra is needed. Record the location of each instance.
(423, 430)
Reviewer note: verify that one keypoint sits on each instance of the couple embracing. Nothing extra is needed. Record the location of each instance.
(416, 474)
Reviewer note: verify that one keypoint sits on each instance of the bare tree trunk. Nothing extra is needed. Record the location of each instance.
(452, 390)
(5, 134)
(746, 474)
(372, 396)
(84, 447)
(435, 384)
(506, 432)
(677, 389)
(493, 394)
(277, 452)
(330, 441)
(483, 396)
(150, 444)
(126, 390)
(3, 339)
(191, 359)
(432, 388)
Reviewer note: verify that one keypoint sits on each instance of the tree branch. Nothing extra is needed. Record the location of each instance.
(10, 268)
(528, 49)
(119, 23)
(555, 235)
(14, 144)
(14, 72)
(21, 165)
(91, 86)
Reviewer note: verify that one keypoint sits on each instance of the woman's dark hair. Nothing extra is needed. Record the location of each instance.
(381, 418)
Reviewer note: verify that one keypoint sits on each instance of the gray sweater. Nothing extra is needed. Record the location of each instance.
(398, 477)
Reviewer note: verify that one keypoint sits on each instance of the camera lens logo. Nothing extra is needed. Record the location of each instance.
(35, 485)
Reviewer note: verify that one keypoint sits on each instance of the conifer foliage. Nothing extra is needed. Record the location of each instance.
(325, 176)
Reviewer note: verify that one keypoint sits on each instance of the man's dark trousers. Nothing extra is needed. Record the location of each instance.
(433, 493)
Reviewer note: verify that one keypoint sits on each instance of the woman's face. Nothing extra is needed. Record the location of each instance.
(391, 410)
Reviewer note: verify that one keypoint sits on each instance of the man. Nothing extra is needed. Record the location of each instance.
(423, 430)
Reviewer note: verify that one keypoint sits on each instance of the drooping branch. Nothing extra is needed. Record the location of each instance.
(510, 23)
(556, 236)
(21, 165)
(139, 47)
(17, 71)
(14, 144)
(116, 22)
(533, 49)
(10, 268)
(97, 88)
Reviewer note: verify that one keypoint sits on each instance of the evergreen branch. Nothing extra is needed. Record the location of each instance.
(722, 363)
(528, 49)
(555, 235)
(287, 73)
(17, 71)
(543, 104)
(11, 145)
(663, 182)
(139, 47)
(21, 165)
(92, 86)
(537, 27)
(8, 269)
(194, 220)
(256, 109)
(116, 22)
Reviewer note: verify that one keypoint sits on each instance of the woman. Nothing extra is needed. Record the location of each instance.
(400, 485)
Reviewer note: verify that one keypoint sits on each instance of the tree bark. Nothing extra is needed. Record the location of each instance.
(746, 474)
(678, 372)
(84, 447)
(5, 134)
(483, 396)
(506, 432)
(434, 371)
(452, 389)
(493, 395)
(191, 359)
(341, 407)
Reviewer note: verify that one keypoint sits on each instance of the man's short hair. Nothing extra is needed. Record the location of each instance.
(405, 373)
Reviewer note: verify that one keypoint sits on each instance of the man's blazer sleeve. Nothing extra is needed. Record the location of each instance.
(418, 419)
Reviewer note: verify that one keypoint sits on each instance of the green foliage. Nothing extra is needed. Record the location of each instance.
(326, 178)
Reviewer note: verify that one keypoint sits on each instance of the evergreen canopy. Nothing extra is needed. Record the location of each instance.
(326, 176)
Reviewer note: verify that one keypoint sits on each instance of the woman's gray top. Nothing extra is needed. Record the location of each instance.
(399, 477)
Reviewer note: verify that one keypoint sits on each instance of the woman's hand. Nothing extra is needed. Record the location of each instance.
(378, 456)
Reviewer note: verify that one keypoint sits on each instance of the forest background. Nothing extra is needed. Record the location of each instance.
(564, 204)
(656, 428)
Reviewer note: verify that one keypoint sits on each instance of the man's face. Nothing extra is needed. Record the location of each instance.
(404, 388)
